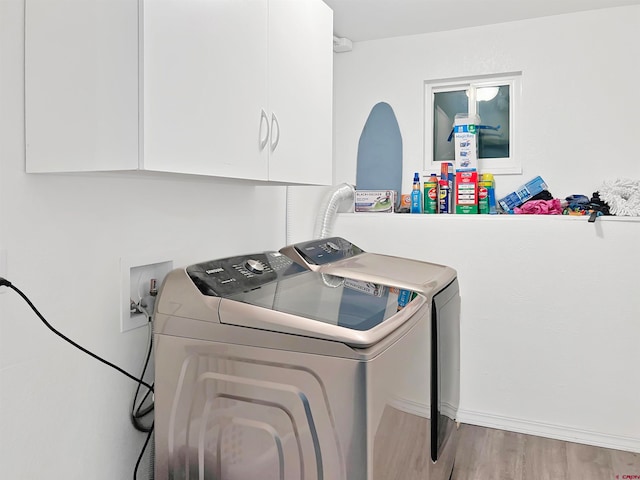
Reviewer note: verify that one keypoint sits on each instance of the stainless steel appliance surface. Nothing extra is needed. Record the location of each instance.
(280, 365)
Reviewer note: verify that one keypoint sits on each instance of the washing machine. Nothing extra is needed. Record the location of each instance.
(297, 365)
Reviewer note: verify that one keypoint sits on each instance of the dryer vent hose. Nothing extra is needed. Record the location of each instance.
(340, 196)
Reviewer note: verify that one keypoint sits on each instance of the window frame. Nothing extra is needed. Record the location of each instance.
(497, 166)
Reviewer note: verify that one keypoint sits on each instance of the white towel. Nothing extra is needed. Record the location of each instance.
(622, 196)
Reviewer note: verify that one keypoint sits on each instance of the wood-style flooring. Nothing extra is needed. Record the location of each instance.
(489, 454)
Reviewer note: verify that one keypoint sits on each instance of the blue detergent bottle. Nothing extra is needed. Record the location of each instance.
(416, 195)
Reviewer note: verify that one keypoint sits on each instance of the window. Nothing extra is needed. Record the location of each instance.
(496, 100)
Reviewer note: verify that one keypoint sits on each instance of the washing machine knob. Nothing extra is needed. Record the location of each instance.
(332, 246)
(254, 266)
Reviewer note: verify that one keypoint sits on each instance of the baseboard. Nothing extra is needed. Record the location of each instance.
(409, 406)
(558, 432)
(540, 429)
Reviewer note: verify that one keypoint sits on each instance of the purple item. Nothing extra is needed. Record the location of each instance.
(540, 207)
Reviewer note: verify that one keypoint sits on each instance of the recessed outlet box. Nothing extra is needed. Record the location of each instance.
(141, 278)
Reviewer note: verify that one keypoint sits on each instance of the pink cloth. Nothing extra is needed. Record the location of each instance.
(541, 207)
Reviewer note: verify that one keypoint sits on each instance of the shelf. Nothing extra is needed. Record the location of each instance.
(487, 218)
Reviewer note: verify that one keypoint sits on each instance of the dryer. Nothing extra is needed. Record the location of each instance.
(282, 365)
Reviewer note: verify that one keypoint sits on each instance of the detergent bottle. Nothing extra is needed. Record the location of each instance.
(416, 195)
(489, 183)
(431, 194)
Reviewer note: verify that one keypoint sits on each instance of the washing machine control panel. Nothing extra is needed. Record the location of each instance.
(327, 250)
(255, 266)
(231, 275)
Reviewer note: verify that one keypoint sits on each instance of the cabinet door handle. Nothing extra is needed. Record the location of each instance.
(275, 131)
(264, 124)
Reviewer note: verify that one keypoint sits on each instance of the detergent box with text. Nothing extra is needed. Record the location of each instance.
(467, 192)
(378, 201)
(465, 136)
(522, 194)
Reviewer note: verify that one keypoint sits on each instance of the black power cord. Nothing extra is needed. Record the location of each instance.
(134, 414)
(138, 413)
(144, 447)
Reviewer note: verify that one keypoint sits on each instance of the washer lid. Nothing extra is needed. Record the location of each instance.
(348, 303)
(315, 305)
(269, 292)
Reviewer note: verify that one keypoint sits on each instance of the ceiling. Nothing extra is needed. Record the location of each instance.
(360, 20)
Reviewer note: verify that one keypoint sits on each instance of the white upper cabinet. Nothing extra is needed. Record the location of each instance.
(300, 91)
(81, 85)
(228, 88)
(205, 85)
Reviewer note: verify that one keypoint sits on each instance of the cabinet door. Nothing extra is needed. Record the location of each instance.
(205, 73)
(81, 85)
(300, 91)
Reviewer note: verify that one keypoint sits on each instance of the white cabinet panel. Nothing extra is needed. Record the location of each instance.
(81, 85)
(205, 68)
(300, 90)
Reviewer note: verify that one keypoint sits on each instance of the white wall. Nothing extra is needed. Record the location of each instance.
(62, 414)
(549, 305)
(579, 93)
